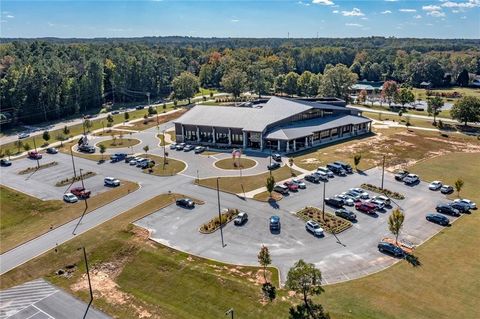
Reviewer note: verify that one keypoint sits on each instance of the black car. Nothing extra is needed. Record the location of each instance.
(129, 158)
(273, 166)
(185, 202)
(312, 178)
(139, 107)
(446, 209)
(400, 175)
(118, 157)
(336, 169)
(346, 214)
(4, 162)
(345, 166)
(277, 157)
(146, 164)
(334, 201)
(86, 149)
(390, 248)
(461, 207)
(52, 150)
(438, 219)
(275, 223)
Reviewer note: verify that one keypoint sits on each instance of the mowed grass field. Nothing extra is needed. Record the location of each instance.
(421, 94)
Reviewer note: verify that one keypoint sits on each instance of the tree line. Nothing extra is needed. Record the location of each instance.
(42, 80)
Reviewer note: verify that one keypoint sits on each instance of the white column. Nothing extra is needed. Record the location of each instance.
(261, 141)
(244, 140)
(213, 134)
(306, 141)
(198, 134)
(294, 145)
(183, 134)
(288, 146)
(278, 145)
(229, 137)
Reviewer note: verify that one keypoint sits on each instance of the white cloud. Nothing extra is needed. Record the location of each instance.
(464, 17)
(468, 4)
(335, 11)
(431, 8)
(386, 12)
(234, 20)
(364, 18)
(356, 12)
(417, 16)
(407, 10)
(354, 25)
(455, 11)
(10, 16)
(303, 3)
(323, 2)
(436, 14)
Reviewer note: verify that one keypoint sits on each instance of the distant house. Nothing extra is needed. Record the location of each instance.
(476, 82)
(282, 124)
(369, 86)
(426, 85)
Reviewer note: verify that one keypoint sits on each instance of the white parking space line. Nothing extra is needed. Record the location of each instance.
(40, 310)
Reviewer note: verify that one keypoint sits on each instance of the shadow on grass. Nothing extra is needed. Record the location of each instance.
(412, 260)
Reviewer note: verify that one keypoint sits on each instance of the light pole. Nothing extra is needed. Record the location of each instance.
(35, 146)
(229, 312)
(73, 164)
(383, 170)
(81, 178)
(323, 202)
(219, 212)
(89, 282)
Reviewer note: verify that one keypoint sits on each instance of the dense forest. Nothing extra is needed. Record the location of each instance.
(47, 79)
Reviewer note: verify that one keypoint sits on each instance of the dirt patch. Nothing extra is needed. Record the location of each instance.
(310, 161)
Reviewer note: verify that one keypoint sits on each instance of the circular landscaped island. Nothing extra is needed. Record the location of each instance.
(171, 167)
(119, 143)
(235, 164)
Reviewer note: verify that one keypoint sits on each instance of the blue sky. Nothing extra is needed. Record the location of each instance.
(274, 18)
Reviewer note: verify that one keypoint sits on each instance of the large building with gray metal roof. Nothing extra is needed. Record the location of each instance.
(282, 124)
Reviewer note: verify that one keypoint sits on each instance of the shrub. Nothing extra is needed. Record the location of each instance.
(269, 291)
(213, 224)
(387, 192)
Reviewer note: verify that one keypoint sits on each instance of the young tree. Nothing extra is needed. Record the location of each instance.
(60, 137)
(389, 90)
(305, 279)
(270, 184)
(66, 130)
(337, 81)
(235, 82)
(27, 147)
(290, 162)
(126, 116)
(362, 97)
(463, 78)
(356, 160)
(164, 106)
(102, 148)
(404, 96)
(46, 136)
(395, 223)
(467, 109)
(110, 119)
(146, 148)
(185, 86)
(87, 124)
(280, 83)
(264, 260)
(434, 105)
(458, 186)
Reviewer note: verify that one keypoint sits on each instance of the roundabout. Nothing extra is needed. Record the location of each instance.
(235, 164)
(119, 143)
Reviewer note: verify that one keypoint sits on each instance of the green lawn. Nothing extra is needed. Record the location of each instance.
(206, 92)
(228, 163)
(444, 113)
(171, 167)
(249, 183)
(420, 94)
(120, 142)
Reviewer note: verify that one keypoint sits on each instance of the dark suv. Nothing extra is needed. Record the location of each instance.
(345, 166)
(346, 214)
(334, 201)
(446, 209)
(185, 202)
(86, 148)
(438, 219)
(275, 223)
(461, 207)
(336, 169)
(390, 248)
(400, 175)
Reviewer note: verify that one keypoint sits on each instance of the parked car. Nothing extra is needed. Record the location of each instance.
(273, 166)
(386, 201)
(180, 147)
(134, 161)
(326, 171)
(70, 198)
(438, 219)
(84, 148)
(323, 176)
(80, 192)
(334, 201)
(300, 183)
(173, 146)
(199, 149)
(435, 185)
(185, 202)
(386, 247)
(277, 157)
(353, 195)
(471, 204)
(411, 179)
(345, 166)
(146, 164)
(21, 136)
(291, 186)
(141, 162)
(129, 158)
(110, 181)
(314, 228)
(346, 214)
(115, 112)
(139, 107)
(274, 223)
(52, 150)
(282, 189)
(5, 162)
(461, 207)
(400, 175)
(447, 209)
(188, 148)
(117, 157)
(336, 169)
(34, 155)
(446, 189)
(378, 203)
(312, 178)
(241, 219)
(366, 207)
(347, 200)
(363, 194)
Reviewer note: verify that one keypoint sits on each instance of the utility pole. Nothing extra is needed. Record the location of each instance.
(219, 212)
(35, 146)
(148, 96)
(81, 178)
(383, 170)
(73, 164)
(229, 312)
(89, 282)
(323, 202)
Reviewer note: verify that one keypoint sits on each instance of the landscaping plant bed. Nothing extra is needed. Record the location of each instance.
(35, 168)
(379, 190)
(214, 224)
(265, 197)
(331, 224)
(72, 180)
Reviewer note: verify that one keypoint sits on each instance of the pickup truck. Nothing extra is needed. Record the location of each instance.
(34, 155)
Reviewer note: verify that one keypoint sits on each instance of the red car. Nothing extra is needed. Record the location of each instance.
(34, 155)
(366, 207)
(291, 186)
(80, 192)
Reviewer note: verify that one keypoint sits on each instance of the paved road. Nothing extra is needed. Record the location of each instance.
(40, 300)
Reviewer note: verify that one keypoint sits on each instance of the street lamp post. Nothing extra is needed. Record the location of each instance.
(383, 170)
(323, 202)
(229, 312)
(219, 212)
(89, 282)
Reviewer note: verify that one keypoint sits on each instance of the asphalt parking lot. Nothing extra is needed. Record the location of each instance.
(352, 254)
